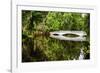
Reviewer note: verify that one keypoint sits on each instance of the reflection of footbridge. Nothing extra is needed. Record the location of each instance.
(60, 35)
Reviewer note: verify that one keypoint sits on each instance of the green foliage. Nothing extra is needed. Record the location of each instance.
(38, 46)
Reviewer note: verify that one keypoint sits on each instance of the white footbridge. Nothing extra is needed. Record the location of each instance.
(60, 35)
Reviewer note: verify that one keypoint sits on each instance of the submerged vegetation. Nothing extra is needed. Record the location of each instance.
(38, 46)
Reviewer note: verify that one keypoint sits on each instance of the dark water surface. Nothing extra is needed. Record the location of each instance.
(45, 48)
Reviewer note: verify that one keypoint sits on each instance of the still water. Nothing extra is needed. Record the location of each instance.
(49, 48)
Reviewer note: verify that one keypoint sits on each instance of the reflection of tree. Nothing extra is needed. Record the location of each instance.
(37, 46)
(51, 49)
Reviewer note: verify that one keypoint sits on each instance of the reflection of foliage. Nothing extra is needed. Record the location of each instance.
(37, 46)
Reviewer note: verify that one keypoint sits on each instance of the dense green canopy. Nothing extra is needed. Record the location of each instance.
(38, 46)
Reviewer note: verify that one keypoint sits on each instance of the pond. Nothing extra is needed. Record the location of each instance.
(57, 47)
